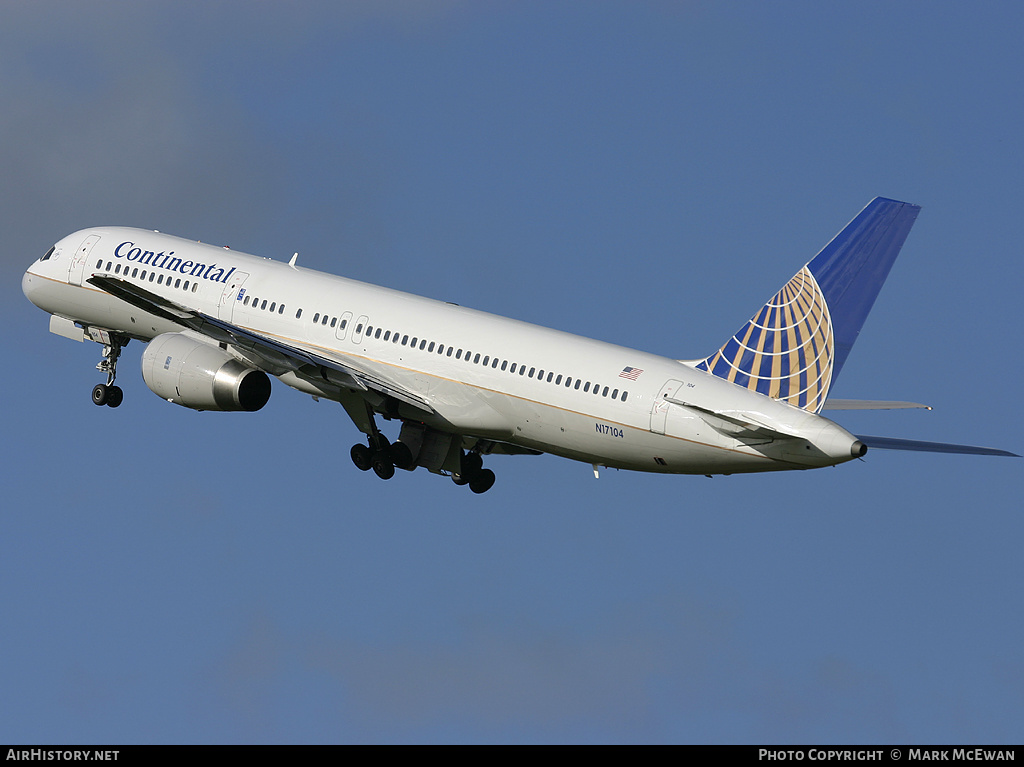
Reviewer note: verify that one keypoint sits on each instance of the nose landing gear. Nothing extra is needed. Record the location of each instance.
(108, 394)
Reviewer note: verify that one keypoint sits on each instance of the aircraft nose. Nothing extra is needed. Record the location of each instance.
(31, 284)
(26, 285)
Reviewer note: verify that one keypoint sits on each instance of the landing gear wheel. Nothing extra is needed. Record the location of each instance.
(472, 463)
(362, 457)
(100, 394)
(383, 467)
(401, 455)
(460, 480)
(114, 396)
(482, 482)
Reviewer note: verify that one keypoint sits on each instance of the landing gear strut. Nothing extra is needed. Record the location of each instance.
(108, 394)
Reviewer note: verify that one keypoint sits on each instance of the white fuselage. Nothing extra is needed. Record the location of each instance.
(541, 389)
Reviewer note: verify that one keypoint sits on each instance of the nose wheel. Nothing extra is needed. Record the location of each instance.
(109, 395)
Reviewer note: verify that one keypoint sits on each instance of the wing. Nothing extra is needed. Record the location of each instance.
(278, 354)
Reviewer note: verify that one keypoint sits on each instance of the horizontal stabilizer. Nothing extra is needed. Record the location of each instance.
(889, 443)
(735, 422)
(870, 404)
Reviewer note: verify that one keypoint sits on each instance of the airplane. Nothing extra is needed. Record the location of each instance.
(463, 384)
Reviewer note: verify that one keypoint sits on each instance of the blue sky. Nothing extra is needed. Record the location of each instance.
(646, 174)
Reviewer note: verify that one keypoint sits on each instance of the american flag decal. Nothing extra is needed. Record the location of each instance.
(631, 373)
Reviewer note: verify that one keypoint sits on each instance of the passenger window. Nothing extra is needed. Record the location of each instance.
(512, 368)
(377, 334)
(522, 370)
(334, 321)
(177, 283)
(387, 335)
(298, 313)
(264, 304)
(558, 380)
(504, 364)
(577, 386)
(323, 320)
(185, 286)
(450, 350)
(160, 280)
(423, 344)
(605, 392)
(273, 306)
(550, 376)
(143, 277)
(135, 272)
(458, 354)
(108, 266)
(99, 263)
(404, 339)
(586, 387)
(280, 309)
(532, 371)
(195, 286)
(494, 362)
(344, 322)
(624, 393)
(476, 359)
(359, 329)
(568, 382)
(431, 347)
(615, 394)
(316, 318)
(117, 269)
(369, 330)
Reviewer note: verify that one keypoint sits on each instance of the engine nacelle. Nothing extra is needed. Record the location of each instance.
(201, 376)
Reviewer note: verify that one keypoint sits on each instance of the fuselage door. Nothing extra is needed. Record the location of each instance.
(233, 293)
(343, 324)
(357, 331)
(660, 408)
(78, 261)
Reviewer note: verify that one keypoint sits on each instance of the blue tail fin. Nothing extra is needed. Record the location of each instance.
(795, 346)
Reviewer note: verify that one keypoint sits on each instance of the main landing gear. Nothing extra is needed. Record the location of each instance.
(108, 394)
(384, 457)
(473, 473)
(381, 456)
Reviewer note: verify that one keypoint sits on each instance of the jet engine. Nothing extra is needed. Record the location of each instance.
(198, 375)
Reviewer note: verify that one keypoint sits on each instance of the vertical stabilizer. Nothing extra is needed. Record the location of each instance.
(795, 346)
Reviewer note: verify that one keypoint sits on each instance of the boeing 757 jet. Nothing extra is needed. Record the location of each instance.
(462, 384)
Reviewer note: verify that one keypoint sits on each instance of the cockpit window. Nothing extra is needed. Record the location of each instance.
(48, 253)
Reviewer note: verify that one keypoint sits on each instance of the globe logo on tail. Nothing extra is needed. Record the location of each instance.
(786, 351)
